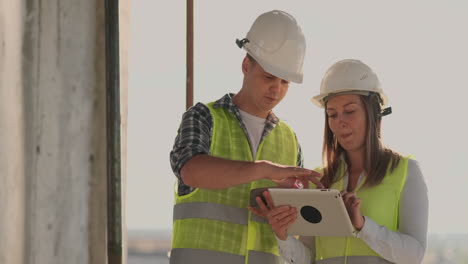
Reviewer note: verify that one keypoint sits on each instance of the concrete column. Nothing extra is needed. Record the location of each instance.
(124, 26)
(53, 132)
(12, 161)
(64, 105)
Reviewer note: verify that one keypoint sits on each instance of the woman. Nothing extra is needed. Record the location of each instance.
(384, 192)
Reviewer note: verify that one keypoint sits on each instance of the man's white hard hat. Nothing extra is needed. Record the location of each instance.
(349, 77)
(277, 43)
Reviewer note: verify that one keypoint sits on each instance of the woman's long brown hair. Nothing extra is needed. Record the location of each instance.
(378, 158)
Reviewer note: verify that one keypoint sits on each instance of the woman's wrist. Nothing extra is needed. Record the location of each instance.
(360, 224)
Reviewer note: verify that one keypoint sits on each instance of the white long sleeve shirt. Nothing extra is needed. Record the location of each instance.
(404, 247)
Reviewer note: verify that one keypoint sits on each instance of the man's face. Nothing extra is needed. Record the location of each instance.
(264, 90)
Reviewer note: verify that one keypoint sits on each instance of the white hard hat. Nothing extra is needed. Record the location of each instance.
(277, 43)
(351, 77)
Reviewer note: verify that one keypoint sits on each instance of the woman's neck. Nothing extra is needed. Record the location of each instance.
(356, 160)
(355, 169)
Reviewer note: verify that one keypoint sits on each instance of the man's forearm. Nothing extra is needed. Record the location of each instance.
(205, 171)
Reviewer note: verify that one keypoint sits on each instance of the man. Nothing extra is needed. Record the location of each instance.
(226, 148)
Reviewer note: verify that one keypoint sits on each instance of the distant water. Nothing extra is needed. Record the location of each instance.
(143, 259)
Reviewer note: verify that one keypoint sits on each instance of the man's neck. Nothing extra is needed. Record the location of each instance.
(242, 103)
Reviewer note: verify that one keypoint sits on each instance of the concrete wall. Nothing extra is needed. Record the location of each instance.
(53, 132)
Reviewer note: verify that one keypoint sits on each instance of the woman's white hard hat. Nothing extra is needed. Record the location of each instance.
(277, 43)
(349, 77)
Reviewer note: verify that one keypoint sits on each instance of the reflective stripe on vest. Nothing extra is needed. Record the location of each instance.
(259, 219)
(214, 211)
(200, 256)
(354, 260)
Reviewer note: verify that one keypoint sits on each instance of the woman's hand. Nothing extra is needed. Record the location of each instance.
(280, 218)
(353, 205)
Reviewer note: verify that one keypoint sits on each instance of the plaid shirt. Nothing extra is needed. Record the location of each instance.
(194, 135)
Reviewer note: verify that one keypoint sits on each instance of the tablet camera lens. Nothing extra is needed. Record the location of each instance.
(311, 214)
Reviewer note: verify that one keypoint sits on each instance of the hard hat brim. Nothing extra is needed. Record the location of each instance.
(276, 71)
(319, 100)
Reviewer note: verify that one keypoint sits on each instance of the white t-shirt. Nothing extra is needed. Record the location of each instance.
(404, 247)
(255, 126)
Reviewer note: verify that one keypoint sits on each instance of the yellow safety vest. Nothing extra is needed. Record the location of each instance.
(215, 226)
(381, 204)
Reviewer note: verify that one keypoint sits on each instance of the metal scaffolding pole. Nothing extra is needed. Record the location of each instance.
(189, 93)
(114, 181)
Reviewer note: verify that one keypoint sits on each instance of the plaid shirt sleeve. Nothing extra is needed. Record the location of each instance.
(193, 138)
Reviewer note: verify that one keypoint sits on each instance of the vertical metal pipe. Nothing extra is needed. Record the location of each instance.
(114, 195)
(189, 93)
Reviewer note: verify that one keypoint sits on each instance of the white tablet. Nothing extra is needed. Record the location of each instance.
(320, 212)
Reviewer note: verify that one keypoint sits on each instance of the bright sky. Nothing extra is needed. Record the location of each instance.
(419, 49)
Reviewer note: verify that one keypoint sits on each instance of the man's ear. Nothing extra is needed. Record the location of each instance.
(246, 65)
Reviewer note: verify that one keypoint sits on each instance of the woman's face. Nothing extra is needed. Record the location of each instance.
(347, 120)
